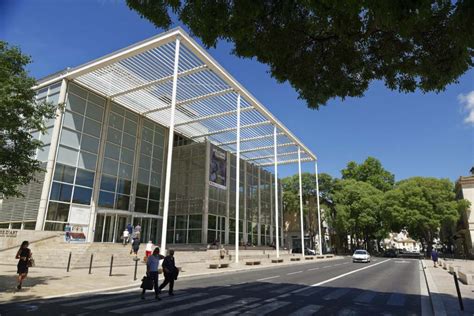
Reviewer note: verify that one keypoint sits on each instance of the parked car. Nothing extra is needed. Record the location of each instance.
(307, 251)
(390, 253)
(361, 255)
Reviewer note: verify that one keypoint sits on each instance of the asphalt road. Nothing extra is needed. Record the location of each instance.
(339, 287)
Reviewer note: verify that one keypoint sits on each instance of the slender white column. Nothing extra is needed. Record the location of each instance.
(170, 149)
(275, 159)
(301, 202)
(50, 165)
(237, 184)
(319, 210)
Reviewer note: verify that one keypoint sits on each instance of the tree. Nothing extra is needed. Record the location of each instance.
(370, 171)
(358, 211)
(20, 115)
(328, 49)
(423, 206)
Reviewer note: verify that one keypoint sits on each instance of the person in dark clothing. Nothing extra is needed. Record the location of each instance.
(135, 246)
(434, 257)
(152, 271)
(130, 231)
(170, 271)
(23, 255)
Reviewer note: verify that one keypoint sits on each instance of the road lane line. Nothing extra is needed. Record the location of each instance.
(269, 278)
(142, 305)
(343, 275)
(313, 269)
(294, 272)
(287, 288)
(184, 307)
(98, 299)
(326, 267)
(267, 308)
(220, 310)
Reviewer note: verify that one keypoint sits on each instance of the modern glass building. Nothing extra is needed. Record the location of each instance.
(108, 162)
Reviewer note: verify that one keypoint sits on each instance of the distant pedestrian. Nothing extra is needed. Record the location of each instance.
(152, 271)
(125, 236)
(170, 271)
(130, 228)
(148, 248)
(137, 231)
(135, 246)
(67, 230)
(434, 257)
(24, 256)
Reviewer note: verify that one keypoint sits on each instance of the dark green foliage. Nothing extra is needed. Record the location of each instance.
(327, 49)
(370, 171)
(19, 115)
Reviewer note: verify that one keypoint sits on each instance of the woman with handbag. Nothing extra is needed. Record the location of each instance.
(152, 273)
(24, 256)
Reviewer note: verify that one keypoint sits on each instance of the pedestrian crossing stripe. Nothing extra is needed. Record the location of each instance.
(180, 308)
(140, 305)
(240, 303)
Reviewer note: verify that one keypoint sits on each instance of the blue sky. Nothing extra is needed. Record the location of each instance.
(412, 134)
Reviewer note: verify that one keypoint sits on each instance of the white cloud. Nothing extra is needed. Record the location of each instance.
(467, 102)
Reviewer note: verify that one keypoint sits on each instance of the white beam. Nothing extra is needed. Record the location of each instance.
(230, 129)
(275, 161)
(213, 116)
(170, 149)
(265, 147)
(237, 184)
(285, 162)
(319, 210)
(249, 139)
(271, 156)
(301, 202)
(160, 81)
(205, 96)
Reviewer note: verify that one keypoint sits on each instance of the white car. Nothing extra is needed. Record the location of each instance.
(361, 256)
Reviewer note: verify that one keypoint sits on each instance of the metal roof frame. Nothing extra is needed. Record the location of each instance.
(139, 77)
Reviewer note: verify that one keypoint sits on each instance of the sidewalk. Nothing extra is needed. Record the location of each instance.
(43, 283)
(443, 290)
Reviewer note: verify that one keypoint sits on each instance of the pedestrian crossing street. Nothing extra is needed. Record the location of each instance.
(254, 298)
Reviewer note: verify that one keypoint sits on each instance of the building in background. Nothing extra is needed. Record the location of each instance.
(465, 233)
(105, 154)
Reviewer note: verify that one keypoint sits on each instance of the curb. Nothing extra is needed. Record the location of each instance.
(136, 283)
(436, 301)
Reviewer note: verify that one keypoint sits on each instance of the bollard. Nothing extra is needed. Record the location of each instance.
(69, 262)
(111, 264)
(135, 274)
(90, 264)
(456, 282)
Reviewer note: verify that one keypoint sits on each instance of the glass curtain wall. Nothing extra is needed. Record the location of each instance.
(77, 155)
(232, 212)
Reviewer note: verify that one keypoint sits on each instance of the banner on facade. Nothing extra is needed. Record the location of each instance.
(218, 168)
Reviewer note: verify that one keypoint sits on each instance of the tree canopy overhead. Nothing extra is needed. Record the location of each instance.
(370, 171)
(328, 49)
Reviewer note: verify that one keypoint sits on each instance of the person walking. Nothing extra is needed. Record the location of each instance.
(434, 257)
(135, 246)
(137, 231)
(24, 256)
(148, 248)
(125, 236)
(67, 230)
(170, 271)
(130, 231)
(152, 271)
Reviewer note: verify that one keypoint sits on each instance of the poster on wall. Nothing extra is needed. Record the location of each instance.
(218, 168)
(78, 223)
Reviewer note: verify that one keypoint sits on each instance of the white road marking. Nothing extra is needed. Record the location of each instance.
(346, 262)
(307, 310)
(96, 299)
(308, 291)
(269, 278)
(313, 269)
(343, 275)
(220, 310)
(284, 295)
(294, 272)
(326, 267)
(141, 305)
(114, 303)
(287, 288)
(180, 308)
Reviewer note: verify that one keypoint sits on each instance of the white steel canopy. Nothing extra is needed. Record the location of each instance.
(140, 78)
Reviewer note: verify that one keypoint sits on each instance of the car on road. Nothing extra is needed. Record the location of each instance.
(361, 255)
(390, 253)
(307, 251)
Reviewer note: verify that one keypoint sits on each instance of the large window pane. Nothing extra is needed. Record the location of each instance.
(155, 193)
(58, 212)
(130, 127)
(73, 120)
(129, 141)
(147, 135)
(140, 205)
(85, 178)
(127, 156)
(94, 111)
(124, 186)
(76, 104)
(70, 138)
(146, 148)
(87, 161)
(194, 236)
(64, 173)
(106, 199)
(116, 121)
(67, 155)
(153, 207)
(112, 151)
(114, 136)
(181, 222)
(212, 222)
(92, 127)
(142, 190)
(157, 165)
(90, 143)
(195, 221)
(125, 171)
(82, 196)
(61, 192)
(122, 202)
(96, 99)
(108, 183)
(110, 167)
(54, 226)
